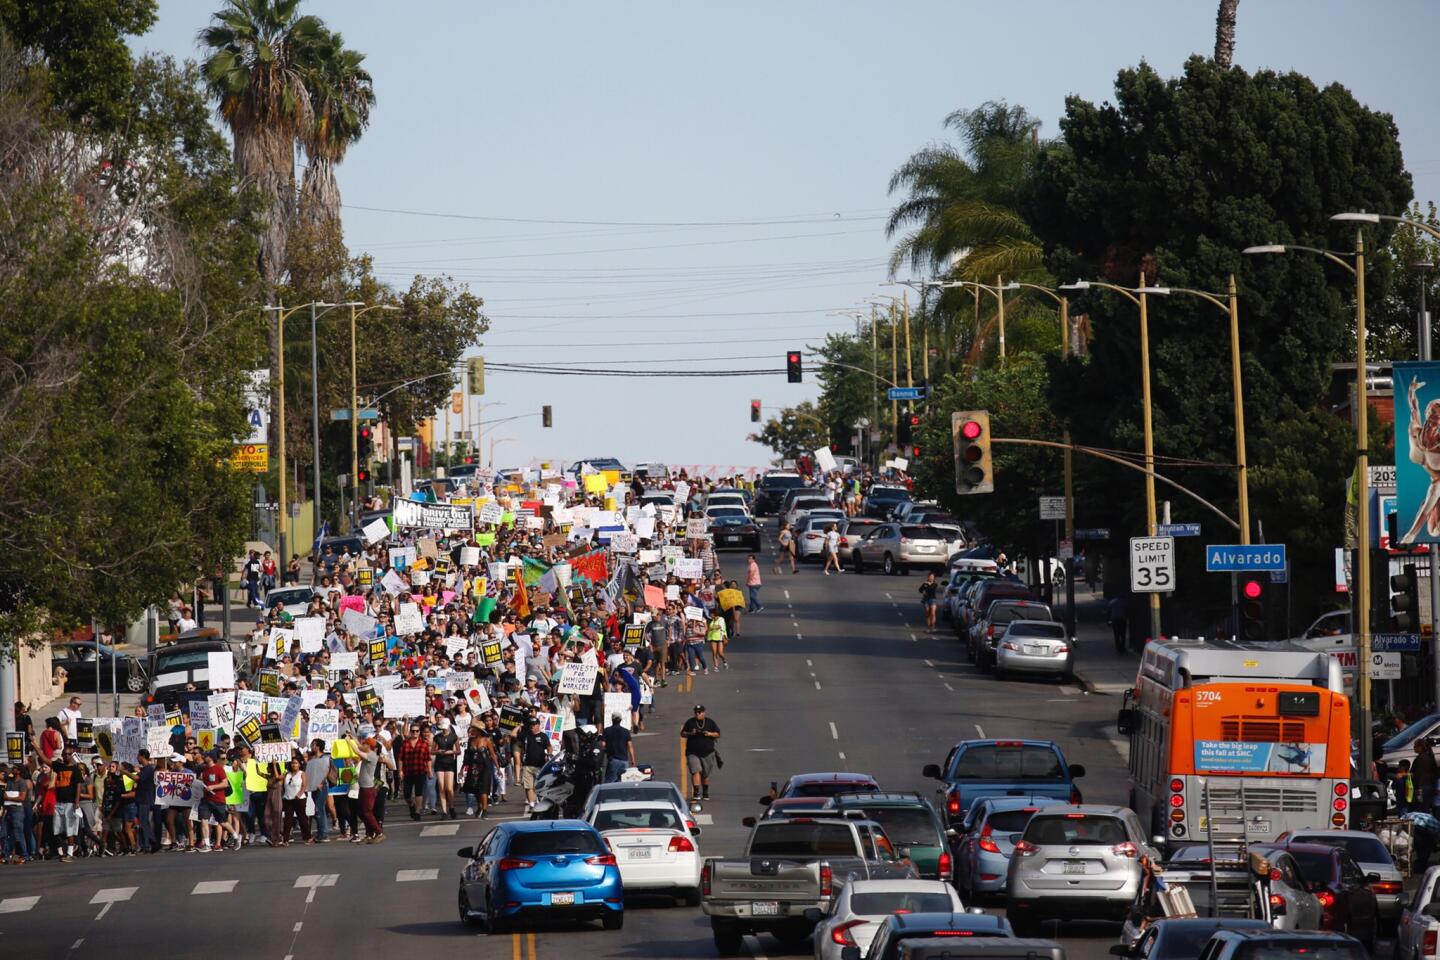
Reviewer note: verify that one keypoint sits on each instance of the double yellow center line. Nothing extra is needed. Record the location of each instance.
(516, 951)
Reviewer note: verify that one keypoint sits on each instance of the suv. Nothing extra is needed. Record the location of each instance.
(899, 928)
(896, 547)
(910, 823)
(981, 595)
(1002, 768)
(1275, 945)
(771, 489)
(183, 662)
(1076, 862)
(881, 500)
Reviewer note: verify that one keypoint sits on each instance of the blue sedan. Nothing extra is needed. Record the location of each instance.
(541, 868)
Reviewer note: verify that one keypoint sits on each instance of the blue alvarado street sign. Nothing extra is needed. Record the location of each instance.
(1254, 558)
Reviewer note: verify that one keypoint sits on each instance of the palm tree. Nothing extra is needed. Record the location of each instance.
(961, 202)
(341, 94)
(1225, 32)
(260, 53)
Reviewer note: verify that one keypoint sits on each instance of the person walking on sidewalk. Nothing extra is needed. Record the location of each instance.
(1119, 622)
(753, 584)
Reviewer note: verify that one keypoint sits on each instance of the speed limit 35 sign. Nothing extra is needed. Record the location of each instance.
(1152, 564)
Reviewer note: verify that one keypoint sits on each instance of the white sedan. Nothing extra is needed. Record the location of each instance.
(655, 850)
(862, 905)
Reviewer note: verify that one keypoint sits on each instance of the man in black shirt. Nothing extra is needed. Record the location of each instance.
(65, 780)
(619, 749)
(700, 733)
(532, 749)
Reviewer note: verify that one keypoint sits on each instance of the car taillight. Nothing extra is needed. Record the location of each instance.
(515, 863)
(681, 845)
(1176, 800)
(1277, 905)
(601, 860)
(844, 541)
(1062, 649)
(990, 631)
(827, 880)
(705, 879)
(1126, 849)
(946, 866)
(841, 934)
(1026, 849)
(1338, 820)
(1432, 943)
(690, 825)
(1007, 645)
(1385, 886)
(1340, 803)
(952, 801)
(1342, 789)
(988, 845)
(904, 540)
(1326, 898)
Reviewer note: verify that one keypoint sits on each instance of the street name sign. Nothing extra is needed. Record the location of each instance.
(907, 393)
(1178, 529)
(1249, 558)
(1152, 564)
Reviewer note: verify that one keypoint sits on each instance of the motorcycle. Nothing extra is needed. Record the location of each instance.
(565, 782)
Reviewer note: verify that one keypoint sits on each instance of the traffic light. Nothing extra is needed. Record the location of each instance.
(1405, 600)
(545, 416)
(1252, 609)
(915, 452)
(475, 368)
(792, 366)
(365, 443)
(970, 431)
(754, 411)
(362, 476)
(902, 430)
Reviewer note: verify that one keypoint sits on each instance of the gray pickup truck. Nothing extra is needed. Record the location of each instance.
(789, 874)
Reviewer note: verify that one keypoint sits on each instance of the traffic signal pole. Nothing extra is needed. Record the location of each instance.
(354, 431)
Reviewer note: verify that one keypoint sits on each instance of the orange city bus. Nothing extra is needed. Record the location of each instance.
(1263, 727)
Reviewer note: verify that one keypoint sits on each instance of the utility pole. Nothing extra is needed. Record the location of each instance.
(894, 375)
(1422, 341)
(874, 400)
(909, 354)
(315, 410)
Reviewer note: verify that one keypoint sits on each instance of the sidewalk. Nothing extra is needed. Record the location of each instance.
(1098, 668)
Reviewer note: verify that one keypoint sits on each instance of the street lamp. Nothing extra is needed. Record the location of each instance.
(1138, 297)
(1362, 461)
(494, 442)
(996, 290)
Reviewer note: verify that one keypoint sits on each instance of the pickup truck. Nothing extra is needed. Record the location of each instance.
(790, 872)
(1002, 768)
(1419, 935)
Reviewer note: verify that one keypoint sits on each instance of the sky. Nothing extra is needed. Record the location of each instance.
(670, 186)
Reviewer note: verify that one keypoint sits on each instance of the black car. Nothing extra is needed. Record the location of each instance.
(734, 529)
(1181, 938)
(897, 929)
(79, 660)
(772, 489)
(881, 500)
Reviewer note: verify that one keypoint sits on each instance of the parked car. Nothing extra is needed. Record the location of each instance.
(1000, 768)
(882, 500)
(653, 846)
(961, 579)
(950, 533)
(911, 824)
(541, 868)
(982, 594)
(985, 631)
(985, 840)
(903, 510)
(898, 548)
(1347, 902)
(1274, 945)
(1374, 861)
(1076, 862)
(864, 905)
(83, 659)
(771, 489)
(1037, 647)
(898, 931)
(1182, 938)
(294, 598)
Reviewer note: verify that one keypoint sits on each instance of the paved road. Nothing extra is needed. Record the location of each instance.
(834, 675)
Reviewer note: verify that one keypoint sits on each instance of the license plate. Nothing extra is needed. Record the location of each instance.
(562, 899)
(638, 853)
(920, 549)
(730, 539)
(1036, 651)
(1074, 866)
(765, 908)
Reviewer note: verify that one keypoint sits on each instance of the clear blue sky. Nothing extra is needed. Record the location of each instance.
(664, 113)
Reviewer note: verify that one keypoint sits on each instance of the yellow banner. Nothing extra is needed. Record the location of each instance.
(254, 457)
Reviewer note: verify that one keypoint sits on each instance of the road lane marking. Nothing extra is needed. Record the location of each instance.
(930, 664)
(312, 880)
(704, 819)
(787, 594)
(817, 684)
(799, 636)
(515, 953)
(888, 597)
(76, 944)
(440, 830)
(950, 688)
(980, 730)
(842, 754)
(213, 886)
(809, 662)
(104, 910)
(113, 895)
(298, 925)
(530, 944)
(18, 904)
(761, 750)
(408, 876)
(834, 734)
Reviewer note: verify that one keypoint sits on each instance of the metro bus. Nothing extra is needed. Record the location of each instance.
(1266, 725)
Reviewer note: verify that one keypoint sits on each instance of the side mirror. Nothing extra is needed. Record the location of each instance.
(467, 852)
(748, 822)
(1124, 721)
(813, 914)
(930, 771)
(1077, 770)
(1372, 878)
(766, 800)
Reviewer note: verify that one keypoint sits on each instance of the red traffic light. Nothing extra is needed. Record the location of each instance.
(469, 459)
(914, 419)
(971, 429)
(914, 453)
(365, 433)
(1252, 589)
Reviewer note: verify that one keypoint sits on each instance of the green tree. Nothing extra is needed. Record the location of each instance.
(341, 94)
(798, 431)
(1390, 319)
(1173, 180)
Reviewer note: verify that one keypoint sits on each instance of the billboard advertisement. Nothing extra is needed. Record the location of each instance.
(1417, 452)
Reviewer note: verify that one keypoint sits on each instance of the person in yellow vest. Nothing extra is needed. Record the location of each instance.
(257, 785)
(715, 633)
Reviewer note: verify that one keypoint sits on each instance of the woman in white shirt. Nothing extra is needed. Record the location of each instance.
(294, 797)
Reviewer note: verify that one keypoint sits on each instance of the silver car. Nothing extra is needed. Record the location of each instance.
(1374, 861)
(987, 839)
(800, 507)
(896, 547)
(860, 907)
(1035, 646)
(1076, 861)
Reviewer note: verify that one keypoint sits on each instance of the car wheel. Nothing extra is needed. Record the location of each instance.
(135, 684)
(858, 561)
(727, 939)
(888, 565)
(465, 919)
(691, 897)
(613, 919)
(493, 924)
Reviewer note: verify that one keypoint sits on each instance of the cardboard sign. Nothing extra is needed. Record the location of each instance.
(689, 568)
(409, 621)
(345, 660)
(459, 680)
(404, 702)
(618, 703)
(634, 636)
(324, 725)
(176, 788)
(270, 682)
(365, 576)
(358, 625)
(377, 652)
(267, 752)
(492, 653)
(220, 670)
(157, 741)
(310, 633)
(578, 679)
(376, 530)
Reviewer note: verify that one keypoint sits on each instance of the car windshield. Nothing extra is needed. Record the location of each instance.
(1361, 849)
(1055, 631)
(1005, 612)
(641, 819)
(1183, 940)
(781, 483)
(919, 533)
(899, 901)
(1009, 821)
(610, 794)
(718, 512)
(1300, 950)
(1075, 829)
(541, 843)
(1002, 762)
(791, 839)
(907, 826)
(889, 493)
(1316, 867)
(182, 660)
(1412, 732)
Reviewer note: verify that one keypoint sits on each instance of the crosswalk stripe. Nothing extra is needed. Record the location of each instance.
(440, 830)
(113, 894)
(313, 880)
(213, 886)
(17, 904)
(402, 876)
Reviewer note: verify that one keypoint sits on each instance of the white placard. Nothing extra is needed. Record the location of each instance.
(1152, 564)
(409, 621)
(649, 556)
(222, 711)
(469, 556)
(624, 542)
(645, 528)
(248, 703)
(324, 725)
(695, 613)
(376, 530)
(682, 492)
(578, 678)
(1052, 508)
(696, 528)
(359, 625)
(689, 568)
(220, 670)
(455, 646)
(200, 714)
(310, 631)
(672, 591)
(273, 752)
(157, 741)
(392, 583)
(618, 703)
(459, 680)
(404, 702)
(491, 512)
(345, 660)
(901, 464)
(824, 459)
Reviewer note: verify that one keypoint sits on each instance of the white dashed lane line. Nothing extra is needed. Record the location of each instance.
(980, 730)
(834, 734)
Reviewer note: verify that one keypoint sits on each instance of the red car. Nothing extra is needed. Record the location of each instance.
(822, 785)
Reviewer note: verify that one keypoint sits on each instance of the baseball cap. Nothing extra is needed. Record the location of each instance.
(699, 708)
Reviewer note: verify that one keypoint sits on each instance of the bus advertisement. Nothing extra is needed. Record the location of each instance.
(1259, 731)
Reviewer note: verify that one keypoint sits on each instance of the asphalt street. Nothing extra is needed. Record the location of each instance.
(838, 673)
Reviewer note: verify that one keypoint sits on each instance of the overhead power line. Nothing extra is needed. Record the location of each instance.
(766, 221)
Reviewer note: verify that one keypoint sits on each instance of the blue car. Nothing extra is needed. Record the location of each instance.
(541, 868)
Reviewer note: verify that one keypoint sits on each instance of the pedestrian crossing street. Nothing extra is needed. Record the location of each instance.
(106, 897)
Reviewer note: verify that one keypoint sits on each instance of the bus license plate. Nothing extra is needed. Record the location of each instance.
(765, 908)
(1074, 866)
(562, 899)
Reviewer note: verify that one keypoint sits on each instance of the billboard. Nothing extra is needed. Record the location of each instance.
(1417, 452)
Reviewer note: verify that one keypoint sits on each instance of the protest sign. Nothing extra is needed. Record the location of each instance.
(649, 557)
(392, 583)
(157, 741)
(618, 703)
(376, 530)
(469, 556)
(672, 591)
(200, 713)
(385, 682)
(310, 699)
(695, 613)
(270, 682)
(456, 645)
(624, 542)
(478, 699)
(672, 550)
(824, 459)
(176, 788)
(291, 717)
(155, 713)
(346, 660)
(404, 702)
(273, 752)
(634, 636)
(434, 516)
(16, 748)
(324, 724)
(645, 528)
(282, 642)
(492, 652)
(491, 512)
(365, 576)
(248, 730)
(85, 734)
(206, 738)
(689, 568)
(270, 733)
(550, 726)
(310, 632)
(248, 703)
(358, 625)
(352, 602)
(654, 596)
(173, 720)
(409, 621)
(682, 492)
(459, 680)
(222, 711)
(367, 698)
(220, 670)
(377, 652)
(578, 678)
(511, 719)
